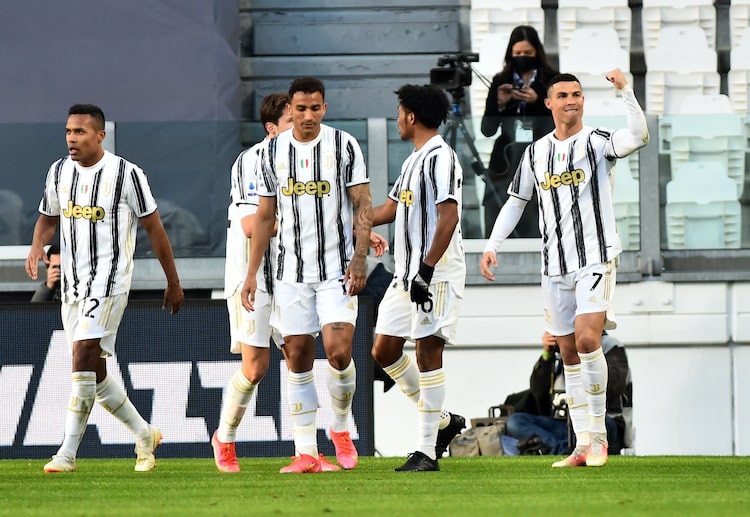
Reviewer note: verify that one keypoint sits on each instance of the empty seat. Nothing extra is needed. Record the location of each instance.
(739, 20)
(592, 53)
(573, 15)
(702, 211)
(680, 65)
(738, 77)
(708, 132)
(594, 50)
(656, 15)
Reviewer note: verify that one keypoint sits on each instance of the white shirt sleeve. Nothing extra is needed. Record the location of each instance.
(505, 223)
(626, 141)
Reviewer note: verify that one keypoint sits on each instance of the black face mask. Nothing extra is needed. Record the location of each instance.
(523, 64)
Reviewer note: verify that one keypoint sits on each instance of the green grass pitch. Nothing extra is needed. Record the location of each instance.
(652, 485)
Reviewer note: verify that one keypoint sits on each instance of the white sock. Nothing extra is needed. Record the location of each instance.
(432, 390)
(445, 419)
(578, 408)
(406, 374)
(112, 397)
(236, 398)
(82, 394)
(303, 406)
(595, 376)
(341, 386)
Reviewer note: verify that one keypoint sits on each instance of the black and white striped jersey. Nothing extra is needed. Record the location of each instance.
(574, 183)
(310, 181)
(429, 176)
(98, 207)
(243, 202)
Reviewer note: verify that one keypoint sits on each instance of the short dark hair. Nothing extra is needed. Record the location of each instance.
(272, 107)
(89, 109)
(428, 103)
(54, 249)
(307, 85)
(562, 78)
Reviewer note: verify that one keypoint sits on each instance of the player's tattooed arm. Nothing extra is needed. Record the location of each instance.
(362, 202)
(356, 274)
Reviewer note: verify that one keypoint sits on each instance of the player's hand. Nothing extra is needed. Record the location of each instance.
(355, 276)
(420, 286)
(617, 78)
(36, 254)
(489, 259)
(248, 292)
(173, 297)
(378, 244)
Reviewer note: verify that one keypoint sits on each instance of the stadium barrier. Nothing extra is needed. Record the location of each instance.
(174, 369)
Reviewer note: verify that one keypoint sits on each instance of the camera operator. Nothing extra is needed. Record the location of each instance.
(515, 103)
(546, 431)
(49, 290)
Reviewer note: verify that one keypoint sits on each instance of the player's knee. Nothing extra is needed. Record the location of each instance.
(339, 358)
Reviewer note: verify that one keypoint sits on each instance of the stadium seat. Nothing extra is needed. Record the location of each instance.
(627, 206)
(702, 211)
(716, 137)
(739, 20)
(573, 15)
(680, 65)
(656, 15)
(592, 52)
(738, 77)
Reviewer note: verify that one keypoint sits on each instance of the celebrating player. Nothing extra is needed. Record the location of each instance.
(572, 171)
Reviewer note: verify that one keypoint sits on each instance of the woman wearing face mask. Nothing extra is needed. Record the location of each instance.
(515, 103)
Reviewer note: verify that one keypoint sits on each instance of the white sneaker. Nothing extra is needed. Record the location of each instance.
(145, 452)
(60, 463)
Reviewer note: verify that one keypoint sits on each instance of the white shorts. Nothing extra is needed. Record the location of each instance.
(306, 308)
(585, 291)
(94, 318)
(399, 317)
(252, 328)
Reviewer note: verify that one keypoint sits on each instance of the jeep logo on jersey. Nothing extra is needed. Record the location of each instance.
(93, 213)
(406, 197)
(566, 178)
(314, 188)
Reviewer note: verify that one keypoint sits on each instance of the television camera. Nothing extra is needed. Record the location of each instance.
(453, 71)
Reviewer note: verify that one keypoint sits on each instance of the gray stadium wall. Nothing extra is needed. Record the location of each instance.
(166, 72)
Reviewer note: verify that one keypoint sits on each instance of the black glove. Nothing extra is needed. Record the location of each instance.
(419, 287)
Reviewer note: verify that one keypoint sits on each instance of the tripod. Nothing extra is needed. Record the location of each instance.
(454, 123)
